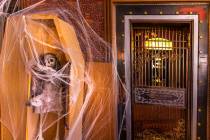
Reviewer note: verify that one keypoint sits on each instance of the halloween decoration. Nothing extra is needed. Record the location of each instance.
(57, 77)
(47, 95)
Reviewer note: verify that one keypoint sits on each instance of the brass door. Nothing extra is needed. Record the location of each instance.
(161, 72)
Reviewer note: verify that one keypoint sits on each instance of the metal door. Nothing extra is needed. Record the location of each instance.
(161, 75)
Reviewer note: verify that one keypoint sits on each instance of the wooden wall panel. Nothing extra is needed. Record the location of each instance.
(102, 104)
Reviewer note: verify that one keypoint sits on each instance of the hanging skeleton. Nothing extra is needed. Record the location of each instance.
(48, 93)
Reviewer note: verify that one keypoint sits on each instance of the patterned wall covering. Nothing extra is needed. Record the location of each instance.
(93, 11)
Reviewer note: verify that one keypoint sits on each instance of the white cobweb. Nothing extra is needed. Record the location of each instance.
(58, 78)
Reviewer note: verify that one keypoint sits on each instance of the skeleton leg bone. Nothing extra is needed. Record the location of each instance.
(58, 127)
(40, 134)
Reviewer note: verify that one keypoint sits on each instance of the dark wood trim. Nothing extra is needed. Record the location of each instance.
(156, 1)
(22, 4)
(208, 96)
(107, 20)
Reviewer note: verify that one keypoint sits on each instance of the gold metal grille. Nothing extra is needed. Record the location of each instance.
(160, 55)
(161, 69)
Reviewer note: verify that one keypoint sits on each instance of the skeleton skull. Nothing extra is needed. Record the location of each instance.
(50, 60)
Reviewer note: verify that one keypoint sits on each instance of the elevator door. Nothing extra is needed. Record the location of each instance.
(161, 72)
